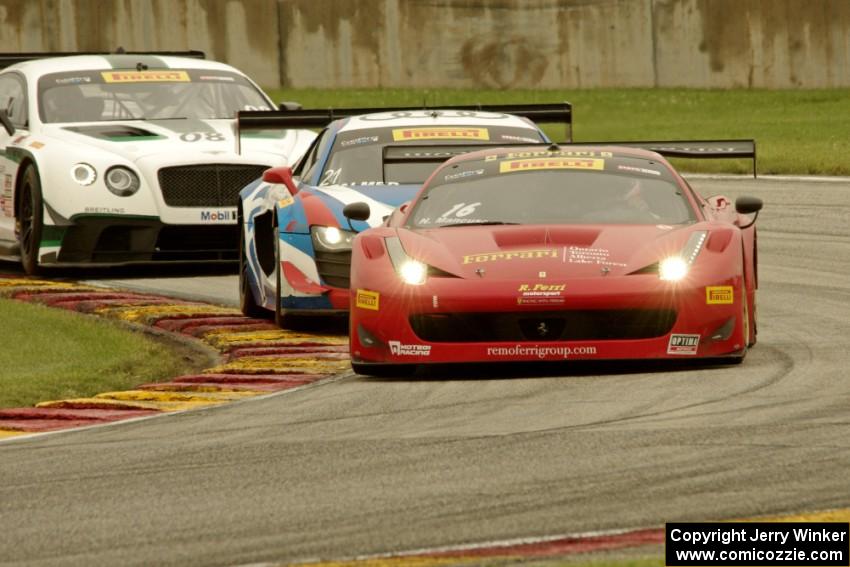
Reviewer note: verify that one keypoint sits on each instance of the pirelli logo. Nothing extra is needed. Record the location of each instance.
(368, 299)
(163, 76)
(440, 133)
(514, 165)
(719, 295)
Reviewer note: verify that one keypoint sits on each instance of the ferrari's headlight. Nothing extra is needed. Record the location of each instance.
(121, 181)
(675, 268)
(672, 269)
(84, 174)
(331, 239)
(413, 272)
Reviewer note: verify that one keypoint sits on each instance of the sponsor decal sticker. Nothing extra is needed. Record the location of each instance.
(548, 154)
(519, 255)
(512, 166)
(36, 145)
(520, 138)
(719, 295)
(162, 76)
(368, 299)
(399, 349)
(540, 352)
(440, 133)
(286, 201)
(217, 78)
(683, 344)
(358, 141)
(73, 80)
(6, 204)
(638, 170)
(104, 210)
(464, 174)
(218, 216)
(541, 294)
(598, 256)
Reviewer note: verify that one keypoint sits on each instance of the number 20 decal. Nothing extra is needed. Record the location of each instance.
(198, 136)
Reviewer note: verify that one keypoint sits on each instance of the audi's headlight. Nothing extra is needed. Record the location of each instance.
(331, 238)
(84, 174)
(675, 268)
(121, 181)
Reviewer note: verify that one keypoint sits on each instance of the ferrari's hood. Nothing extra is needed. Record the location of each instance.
(569, 251)
(138, 139)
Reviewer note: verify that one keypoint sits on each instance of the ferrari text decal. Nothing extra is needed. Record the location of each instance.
(399, 349)
(163, 76)
(512, 166)
(368, 299)
(683, 344)
(440, 133)
(719, 295)
(520, 255)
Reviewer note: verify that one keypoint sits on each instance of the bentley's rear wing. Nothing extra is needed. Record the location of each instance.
(698, 149)
(246, 120)
(7, 59)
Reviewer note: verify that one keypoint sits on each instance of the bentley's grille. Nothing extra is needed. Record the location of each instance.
(208, 185)
(568, 325)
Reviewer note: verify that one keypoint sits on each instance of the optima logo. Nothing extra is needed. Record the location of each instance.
(218, 216)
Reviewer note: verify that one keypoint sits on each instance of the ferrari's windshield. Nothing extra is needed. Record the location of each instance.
(552, 190)
(93, 96)
(357, 156)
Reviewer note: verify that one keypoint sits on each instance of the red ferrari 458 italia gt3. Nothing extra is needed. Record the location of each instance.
(554, 253)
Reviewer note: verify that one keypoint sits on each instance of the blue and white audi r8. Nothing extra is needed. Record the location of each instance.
(295, 248)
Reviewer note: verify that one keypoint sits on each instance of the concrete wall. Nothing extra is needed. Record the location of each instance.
(466, 43)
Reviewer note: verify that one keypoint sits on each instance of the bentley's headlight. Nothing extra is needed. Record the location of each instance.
(331, 239)
(121, 181)
(84, 174)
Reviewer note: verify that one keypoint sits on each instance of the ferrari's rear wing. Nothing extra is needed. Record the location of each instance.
(698, 149)
(247, 120)
(7, 59)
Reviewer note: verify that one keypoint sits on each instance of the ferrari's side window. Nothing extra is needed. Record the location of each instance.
(12, 99)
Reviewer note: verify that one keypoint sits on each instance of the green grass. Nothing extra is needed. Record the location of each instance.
(796, 131)
(52, 354)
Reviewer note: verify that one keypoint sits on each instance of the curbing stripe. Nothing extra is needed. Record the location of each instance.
(260, 358)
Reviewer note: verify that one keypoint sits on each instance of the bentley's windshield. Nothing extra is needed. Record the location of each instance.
(161, 94)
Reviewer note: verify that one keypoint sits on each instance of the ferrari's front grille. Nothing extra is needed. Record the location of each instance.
(334, 268)
(567, 325)
(208, 185)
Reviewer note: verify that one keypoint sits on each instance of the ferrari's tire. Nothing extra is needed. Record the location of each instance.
(247, 304)
(31, 220)
(384, 370)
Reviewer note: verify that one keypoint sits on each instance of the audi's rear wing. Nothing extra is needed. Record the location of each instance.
(7, 59)
(698, 149)
(247, 120)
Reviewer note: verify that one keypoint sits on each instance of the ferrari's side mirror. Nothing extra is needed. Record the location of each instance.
(748, 205)
(357, 211)
(281, 175)
(7, 124)
(289, 105)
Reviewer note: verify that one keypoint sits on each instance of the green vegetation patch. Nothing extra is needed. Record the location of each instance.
(796, 131)
(50, 354)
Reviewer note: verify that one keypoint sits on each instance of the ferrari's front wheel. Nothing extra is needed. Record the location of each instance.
(30, 220)
(247, 304)
(384, 370)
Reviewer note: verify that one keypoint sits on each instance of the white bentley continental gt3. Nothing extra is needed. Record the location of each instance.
(122, 158)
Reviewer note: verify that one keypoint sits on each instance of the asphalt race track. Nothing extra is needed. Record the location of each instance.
(362, 466)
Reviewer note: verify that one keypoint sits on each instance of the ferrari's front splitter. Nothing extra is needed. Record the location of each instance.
(635, 319)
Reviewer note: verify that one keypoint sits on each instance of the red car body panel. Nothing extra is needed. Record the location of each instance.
(555, 291)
